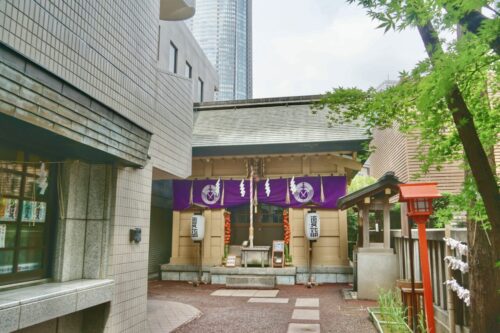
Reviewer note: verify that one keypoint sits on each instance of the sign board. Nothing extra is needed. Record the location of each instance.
(278, 255)
(278, 246)
(231, 261)
(3, 233)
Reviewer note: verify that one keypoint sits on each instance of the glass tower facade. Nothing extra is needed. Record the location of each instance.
(223, 29)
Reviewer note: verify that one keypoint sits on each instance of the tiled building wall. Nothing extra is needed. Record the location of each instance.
(128, 264)
(109, 50)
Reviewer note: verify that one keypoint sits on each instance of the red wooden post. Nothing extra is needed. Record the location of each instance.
(426, 274)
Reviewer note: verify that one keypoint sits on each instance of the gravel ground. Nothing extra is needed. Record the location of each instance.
(235, 314)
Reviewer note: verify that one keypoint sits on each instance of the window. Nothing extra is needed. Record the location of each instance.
(27, 206)
(189, 70)
(200, 90)
(172, 65)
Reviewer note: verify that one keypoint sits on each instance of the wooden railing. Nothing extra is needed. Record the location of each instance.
(437, 250)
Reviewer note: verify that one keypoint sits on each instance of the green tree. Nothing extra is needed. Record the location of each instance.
(451, 100)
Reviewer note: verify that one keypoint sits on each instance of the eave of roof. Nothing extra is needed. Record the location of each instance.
(388, 180)
(280, 148)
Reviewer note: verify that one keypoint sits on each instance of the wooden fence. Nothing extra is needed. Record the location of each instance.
(437, 252)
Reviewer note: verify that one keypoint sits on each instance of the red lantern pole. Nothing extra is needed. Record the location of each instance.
(419, 197)
(426, 274)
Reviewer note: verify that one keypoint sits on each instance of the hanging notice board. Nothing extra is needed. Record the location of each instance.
(278, 256)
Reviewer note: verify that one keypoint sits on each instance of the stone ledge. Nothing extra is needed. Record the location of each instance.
(253, 271)
(183, 268)
(28, 306)
(326, 269)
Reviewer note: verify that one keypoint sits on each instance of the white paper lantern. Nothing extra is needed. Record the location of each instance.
(197, 227)
(312, 226)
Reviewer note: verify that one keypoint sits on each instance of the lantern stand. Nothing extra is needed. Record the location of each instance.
(199, 240)
(412, 279)
(419, 201)
(310, 282)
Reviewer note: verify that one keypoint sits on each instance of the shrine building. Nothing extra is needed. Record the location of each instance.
(299, 164)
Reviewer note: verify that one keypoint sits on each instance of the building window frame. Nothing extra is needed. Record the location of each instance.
(188, 72)
(200, 89)
(31, 237)
(173, 57)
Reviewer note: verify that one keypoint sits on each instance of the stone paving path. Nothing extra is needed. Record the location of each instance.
(290, 309)
(166, 316)
(305, 314)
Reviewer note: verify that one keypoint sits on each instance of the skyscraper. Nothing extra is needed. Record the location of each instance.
(224, 30)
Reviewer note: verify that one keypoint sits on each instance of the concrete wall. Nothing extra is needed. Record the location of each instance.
(190, 51)
(330, 250)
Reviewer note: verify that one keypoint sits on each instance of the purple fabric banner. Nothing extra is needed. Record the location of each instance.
(232, 193)
(334, 187)
(308, 191)
(182, 192)
(205, 194)
(277, 194)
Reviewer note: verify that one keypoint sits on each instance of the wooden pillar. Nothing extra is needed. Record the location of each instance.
(387, 225)
(366, 226)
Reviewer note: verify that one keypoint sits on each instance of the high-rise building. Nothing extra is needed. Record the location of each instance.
(224, 30)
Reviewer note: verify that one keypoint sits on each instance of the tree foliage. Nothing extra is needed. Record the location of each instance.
(417, 104)
(451, 101)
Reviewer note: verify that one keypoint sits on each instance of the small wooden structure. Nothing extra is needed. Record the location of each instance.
(376, 265)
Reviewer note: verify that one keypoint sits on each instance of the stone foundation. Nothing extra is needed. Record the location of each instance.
(284, 276)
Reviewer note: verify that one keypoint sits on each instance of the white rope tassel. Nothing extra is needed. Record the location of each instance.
(217, 187)
(242, 188)
(456, 264)
(462, 293)
(42, 179)
(293, 186)
(267, 186)
(454, 244)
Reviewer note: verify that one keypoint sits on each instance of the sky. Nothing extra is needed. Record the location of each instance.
(306, 47)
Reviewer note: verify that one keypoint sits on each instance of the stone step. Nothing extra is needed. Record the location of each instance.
(250, 281)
